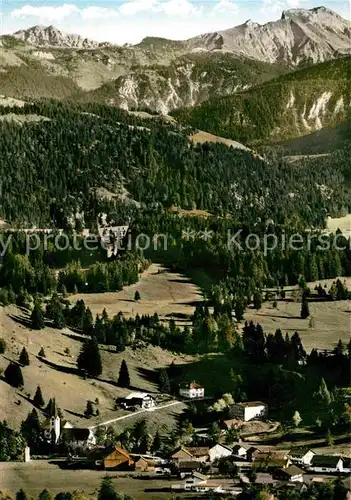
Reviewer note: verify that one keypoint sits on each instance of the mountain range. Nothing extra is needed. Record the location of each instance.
(162, 76)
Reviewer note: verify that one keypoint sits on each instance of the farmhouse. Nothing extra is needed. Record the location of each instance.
(180, 454)
(186, 468)
(137, 400)
(196, 479)
(326, 463)
(271, 460)
(239, 451)
(301, 456)
(219, 451)
(113, 458)
(200, 453)
(292, 474)
(144, 465)
(249, 411)
(191, 390)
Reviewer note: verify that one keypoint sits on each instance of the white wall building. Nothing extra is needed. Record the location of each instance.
(301, 456)
(191, 390)
(196, 478)
(326, 463)
(249, 411)
(140, 399)
(219, 451)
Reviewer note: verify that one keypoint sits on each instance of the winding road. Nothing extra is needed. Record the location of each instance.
(107, 422)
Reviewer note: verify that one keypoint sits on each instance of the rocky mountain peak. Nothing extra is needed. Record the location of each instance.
(49, 36)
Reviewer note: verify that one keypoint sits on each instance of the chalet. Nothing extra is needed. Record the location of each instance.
(200, 453)
(186, 468)
(195, 479)
(271, 460)
(219, 451)
(144, 465)
(326, 463)
(239, 451)
(301, 456)
(191, 390)
(137, 400)
(113, 458)
(249, 411)
(292, 474)
(180, 454)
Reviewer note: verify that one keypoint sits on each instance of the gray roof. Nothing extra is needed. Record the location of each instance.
(325, 461)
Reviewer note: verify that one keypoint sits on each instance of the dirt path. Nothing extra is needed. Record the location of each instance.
(107, 422)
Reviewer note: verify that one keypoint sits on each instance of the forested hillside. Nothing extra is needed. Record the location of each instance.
(58, 164)
(290, 106)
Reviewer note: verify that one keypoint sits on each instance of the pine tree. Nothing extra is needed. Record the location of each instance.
(88, 322)
(305, 310)
(31, 430)
(89, 411)
(137, 295)
(38, 399)
(2, 346)
(45, 495)
(41, 353)
(323, 393)
(89, 359)
(156, 444)
(123, 378)
(107, 491)
(24, 358)
(13, 375)
(257, 300)
(37, 318)
(164, 383)
(21, 495)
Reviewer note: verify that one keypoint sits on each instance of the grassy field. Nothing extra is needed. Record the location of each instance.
(34, 476)
(57, 376)
(167, 293)
(332, 320)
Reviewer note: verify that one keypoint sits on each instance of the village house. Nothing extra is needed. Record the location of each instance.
(249, 411)
(180, 454)
(186, 468)
(239, 451)
(301, 456)
(144, 465)
(194, 480)
(137, 400)
(271, 460)
(200, 453)
(219, 451)
(113, 458)
(292, 474)
(191, 390)
(326, 463)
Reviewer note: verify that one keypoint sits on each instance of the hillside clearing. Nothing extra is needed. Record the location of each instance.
(167, 293)
(57, 376)
(332, 320)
